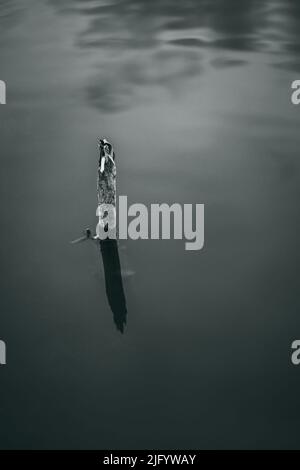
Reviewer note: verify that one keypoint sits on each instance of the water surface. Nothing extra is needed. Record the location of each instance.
(195, 97)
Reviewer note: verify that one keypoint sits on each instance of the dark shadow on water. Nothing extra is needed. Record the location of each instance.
(113, 282)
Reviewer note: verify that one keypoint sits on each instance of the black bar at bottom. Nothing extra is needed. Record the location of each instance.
(136, 458)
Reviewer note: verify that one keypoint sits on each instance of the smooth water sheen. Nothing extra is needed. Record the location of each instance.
(195, 97)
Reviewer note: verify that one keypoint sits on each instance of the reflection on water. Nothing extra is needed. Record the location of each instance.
(195, 95)
(113, 282)
(10, 13)
(138, 44)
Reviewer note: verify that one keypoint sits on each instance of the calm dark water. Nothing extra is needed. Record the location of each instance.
(195, 97)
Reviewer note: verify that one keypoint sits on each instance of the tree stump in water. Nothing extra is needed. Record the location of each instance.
(106, 186)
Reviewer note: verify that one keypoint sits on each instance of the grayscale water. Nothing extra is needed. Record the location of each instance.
(195, 97)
